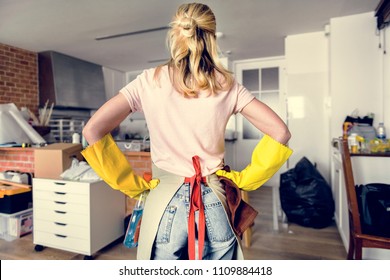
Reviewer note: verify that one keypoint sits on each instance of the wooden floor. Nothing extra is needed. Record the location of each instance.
(290, 242)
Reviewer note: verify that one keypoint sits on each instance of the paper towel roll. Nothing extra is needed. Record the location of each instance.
(31, 133)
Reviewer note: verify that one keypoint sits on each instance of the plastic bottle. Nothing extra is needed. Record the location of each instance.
(132, 232)
(381, 131)
(76, 138)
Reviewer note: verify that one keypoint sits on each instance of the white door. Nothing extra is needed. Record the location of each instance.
(265, 79)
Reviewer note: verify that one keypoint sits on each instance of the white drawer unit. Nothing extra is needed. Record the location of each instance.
(81, 217)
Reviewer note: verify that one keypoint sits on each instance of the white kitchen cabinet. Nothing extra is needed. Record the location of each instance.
(80, 217)
(339, 195)
(114, 80)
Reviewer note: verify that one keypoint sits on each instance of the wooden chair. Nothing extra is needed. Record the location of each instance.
(357, 239)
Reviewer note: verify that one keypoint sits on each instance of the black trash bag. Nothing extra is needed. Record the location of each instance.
(374, 207)
(305, 196)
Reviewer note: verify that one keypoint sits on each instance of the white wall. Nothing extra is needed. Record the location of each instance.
(328, 77)
(355, 69)
(308, 98)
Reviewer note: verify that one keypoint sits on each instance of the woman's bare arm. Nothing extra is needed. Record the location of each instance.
(266, 120)
(106, 118)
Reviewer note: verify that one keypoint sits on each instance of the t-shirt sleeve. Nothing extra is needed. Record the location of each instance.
(132, 92)
(244, 96)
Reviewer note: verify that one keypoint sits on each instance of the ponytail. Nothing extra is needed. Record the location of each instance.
(194, 64)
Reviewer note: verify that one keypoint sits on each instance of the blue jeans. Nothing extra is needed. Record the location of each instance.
(172, 236)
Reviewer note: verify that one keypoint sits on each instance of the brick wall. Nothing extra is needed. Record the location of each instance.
(140, 162)
(17, 159)
(19, 77)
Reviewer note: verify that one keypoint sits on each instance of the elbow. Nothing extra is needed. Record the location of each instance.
(86, 134)
(93, 133)
(283, 135)
(287, 135)
(89, 134)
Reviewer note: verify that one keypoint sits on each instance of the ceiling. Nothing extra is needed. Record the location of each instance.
(251, 28)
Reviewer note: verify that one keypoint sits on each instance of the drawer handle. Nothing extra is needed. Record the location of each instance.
(59, 202)
(60, 183)
(60, 193)
(60, 212)
(60, 235)
(60, 224)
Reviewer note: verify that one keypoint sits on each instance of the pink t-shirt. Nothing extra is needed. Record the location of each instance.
(180, 127)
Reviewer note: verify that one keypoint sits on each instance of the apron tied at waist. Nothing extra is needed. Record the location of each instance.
(196, 204)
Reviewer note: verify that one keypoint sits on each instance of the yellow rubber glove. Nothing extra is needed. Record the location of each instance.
(267, 157)
(108, 161)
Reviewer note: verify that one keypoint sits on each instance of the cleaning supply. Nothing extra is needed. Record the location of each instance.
(267, 158)
(132, 232)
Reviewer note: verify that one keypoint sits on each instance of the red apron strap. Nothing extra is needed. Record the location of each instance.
(196, 204)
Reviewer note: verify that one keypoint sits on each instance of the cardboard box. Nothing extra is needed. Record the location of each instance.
(52, 160)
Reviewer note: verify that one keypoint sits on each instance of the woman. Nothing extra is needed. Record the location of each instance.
(187, 103)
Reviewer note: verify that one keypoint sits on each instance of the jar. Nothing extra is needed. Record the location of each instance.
(353, 143)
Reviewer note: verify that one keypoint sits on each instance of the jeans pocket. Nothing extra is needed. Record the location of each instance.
(218, 226)
(165, 227)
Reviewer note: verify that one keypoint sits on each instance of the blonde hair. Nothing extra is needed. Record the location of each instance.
(194, 64)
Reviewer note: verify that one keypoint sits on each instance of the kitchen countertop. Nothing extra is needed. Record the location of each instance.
(31, 149)
(133, 153)
(382, 154)
(17, 149)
